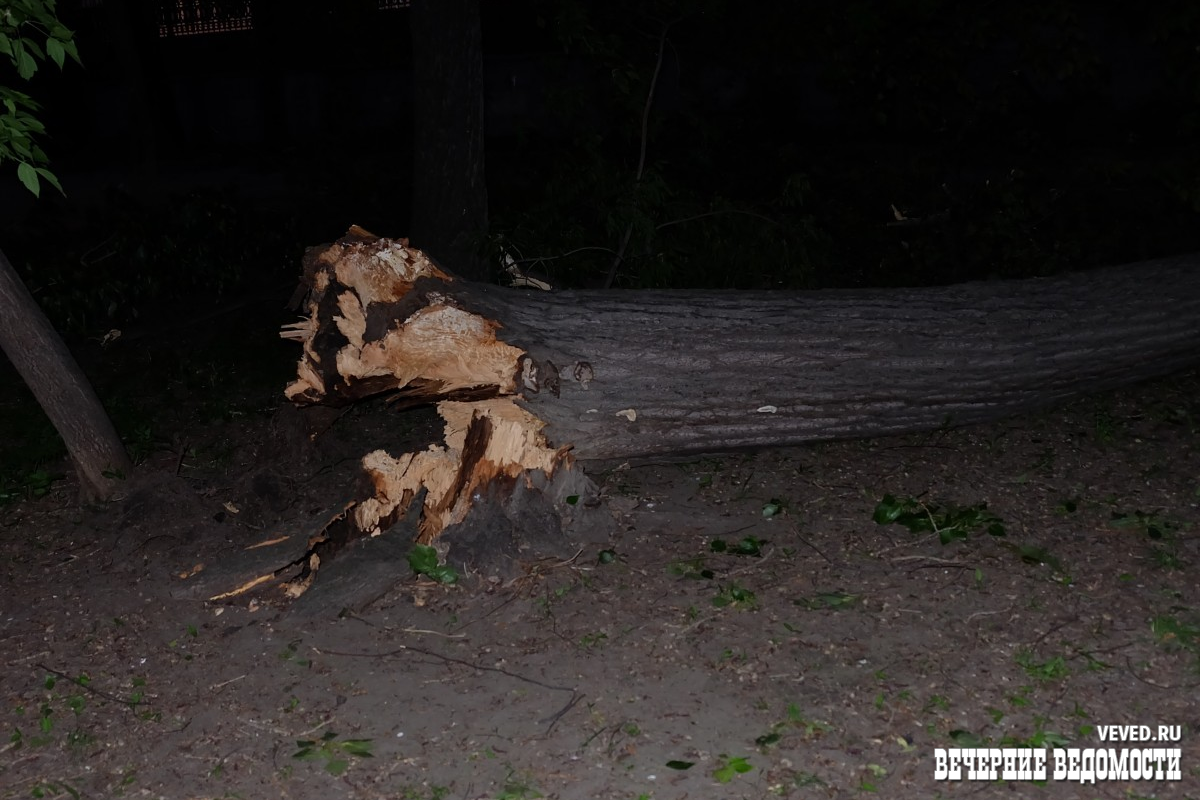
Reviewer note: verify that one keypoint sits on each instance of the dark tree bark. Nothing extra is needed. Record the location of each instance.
(43, 361)
(449, 189)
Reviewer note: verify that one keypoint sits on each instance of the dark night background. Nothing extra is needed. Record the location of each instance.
(788, 145)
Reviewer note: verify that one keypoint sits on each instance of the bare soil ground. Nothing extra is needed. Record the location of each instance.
(750, 631)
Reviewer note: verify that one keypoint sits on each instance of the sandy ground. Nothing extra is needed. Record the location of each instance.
(749, 632)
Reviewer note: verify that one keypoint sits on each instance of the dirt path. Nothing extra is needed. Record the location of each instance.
(751, 632)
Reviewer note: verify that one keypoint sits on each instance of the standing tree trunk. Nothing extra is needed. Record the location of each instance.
(449, 188)
(43, 361)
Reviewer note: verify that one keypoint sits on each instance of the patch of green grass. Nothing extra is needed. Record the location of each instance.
(806, 780)
(967, 739)
(53, 789)
(593, 640)
(1034, 554)
(1161, 532)
(1166, 557)
(1174, 631)
(290, 654)
(26, 484)
(735, 596)
(747, 546)
(691, 568)
(811, 728)
(794, 720)
(1021, 699)
(876, 773)
(832, 601)
(1105, 426)
(1152, 525)
(949, 522)
(703, 471)
(1040, 739)
(729, 767)
(773, 508)
(1068, 505)
(424, 561)
(61, 716)
(1052, 669)
(518, 787)
(335, 753)
(936, 702)
(434, 792)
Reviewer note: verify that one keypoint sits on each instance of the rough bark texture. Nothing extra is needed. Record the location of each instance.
(530, 383)
(449, 187)
(50, 371)
(707, 371)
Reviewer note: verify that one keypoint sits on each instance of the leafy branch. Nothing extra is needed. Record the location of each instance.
(30, 33)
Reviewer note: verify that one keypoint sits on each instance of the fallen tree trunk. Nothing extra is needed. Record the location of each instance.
(615, 375)
(531, 383)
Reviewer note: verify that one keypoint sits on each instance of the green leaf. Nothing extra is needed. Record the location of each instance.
(24, 62)
(358, 747)
(72, 51)
(422, 558)
(749, 546)
(5, 45)
(964, 738)
(28, 176)
(888, 510)
(424, 561)
(833, 600)
(56, 51)
(35, 50)
(680, 765)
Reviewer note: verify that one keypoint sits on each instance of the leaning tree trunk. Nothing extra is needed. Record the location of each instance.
(530, 384)
(43, 361)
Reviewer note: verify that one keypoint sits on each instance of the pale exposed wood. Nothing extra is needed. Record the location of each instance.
(485, 442)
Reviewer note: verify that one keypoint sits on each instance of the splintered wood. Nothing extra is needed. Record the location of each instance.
(485, 442)
(382, 317)
(368, 331)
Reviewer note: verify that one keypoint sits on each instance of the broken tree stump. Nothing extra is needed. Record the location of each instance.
(533, 384)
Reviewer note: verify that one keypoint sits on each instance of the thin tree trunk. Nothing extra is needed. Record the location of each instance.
(50, 371)
(449, 187)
